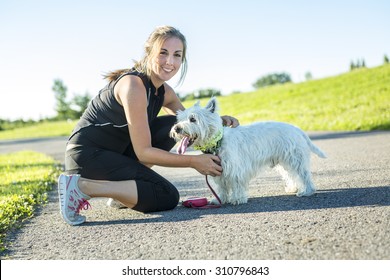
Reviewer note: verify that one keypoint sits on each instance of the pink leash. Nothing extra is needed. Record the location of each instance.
(202, 202)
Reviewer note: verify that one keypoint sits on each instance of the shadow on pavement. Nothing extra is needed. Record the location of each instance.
(324, 199)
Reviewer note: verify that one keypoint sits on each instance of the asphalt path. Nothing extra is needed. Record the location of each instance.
(348, 218)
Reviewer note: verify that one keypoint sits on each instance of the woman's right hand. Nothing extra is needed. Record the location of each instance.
(207, 164)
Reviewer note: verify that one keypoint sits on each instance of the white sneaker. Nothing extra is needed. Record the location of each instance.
(71, 199)
(115, 204)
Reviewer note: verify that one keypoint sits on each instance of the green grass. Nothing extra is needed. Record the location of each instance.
(44, 129)
(25, 179)
(357, 100)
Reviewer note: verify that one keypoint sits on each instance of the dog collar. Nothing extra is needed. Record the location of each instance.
(213, 145)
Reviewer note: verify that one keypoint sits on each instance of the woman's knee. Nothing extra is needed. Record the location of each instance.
(156, 197)
(160, 131)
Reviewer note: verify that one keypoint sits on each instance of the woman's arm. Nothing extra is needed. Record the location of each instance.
(172, 103)
(130, 92)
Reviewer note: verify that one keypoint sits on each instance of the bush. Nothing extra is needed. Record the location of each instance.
(202, 93)
(26, 177)
(272, 79)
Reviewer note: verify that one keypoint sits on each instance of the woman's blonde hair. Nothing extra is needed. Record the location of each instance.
(151, 49)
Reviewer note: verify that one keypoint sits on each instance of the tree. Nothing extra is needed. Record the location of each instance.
(352, 66)
(69, 110)
(358, 64)
(208, 92)
(308, 76)
(272, 79)
(202, 93)
(385, 60)
(81, 103)
(62, 107)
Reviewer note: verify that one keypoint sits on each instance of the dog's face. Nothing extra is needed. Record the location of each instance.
(196, 125)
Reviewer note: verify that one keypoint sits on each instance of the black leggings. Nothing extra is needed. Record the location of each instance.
(155, 193)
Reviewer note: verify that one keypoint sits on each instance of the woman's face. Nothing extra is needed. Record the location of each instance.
(168, 60)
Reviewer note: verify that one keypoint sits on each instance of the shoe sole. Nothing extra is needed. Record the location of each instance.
(62, 185)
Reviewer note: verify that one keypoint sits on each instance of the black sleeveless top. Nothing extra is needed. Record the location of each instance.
(104, 125)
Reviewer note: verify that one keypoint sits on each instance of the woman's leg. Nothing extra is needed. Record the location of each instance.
(121, 177)
(109, 174)
(123, 191)
(160, 129)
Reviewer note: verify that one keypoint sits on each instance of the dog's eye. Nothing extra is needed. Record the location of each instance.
(192, 119)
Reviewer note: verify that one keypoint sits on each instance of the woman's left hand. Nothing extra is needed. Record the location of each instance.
(230, 121)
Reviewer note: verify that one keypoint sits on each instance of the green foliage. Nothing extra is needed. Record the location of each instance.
(62, 107)
(25, 179)
(308, 76)
(13, 209)
(202, 93)
(80, 103)
(358, 64)
(272, 79)
(357, 100)
(7, 124)
(69, 109)
(385, 59)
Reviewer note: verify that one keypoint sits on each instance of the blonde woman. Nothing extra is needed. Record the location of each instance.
(120, 136)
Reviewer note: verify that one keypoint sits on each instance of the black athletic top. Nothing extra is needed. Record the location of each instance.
(104, 122)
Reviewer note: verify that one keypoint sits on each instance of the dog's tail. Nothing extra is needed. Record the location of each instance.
(314, 148)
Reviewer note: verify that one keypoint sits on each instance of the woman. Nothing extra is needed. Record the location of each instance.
(119, 137)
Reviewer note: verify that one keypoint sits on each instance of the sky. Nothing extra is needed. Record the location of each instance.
(230, 43)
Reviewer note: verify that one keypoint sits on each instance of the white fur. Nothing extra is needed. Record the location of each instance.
(246, 150)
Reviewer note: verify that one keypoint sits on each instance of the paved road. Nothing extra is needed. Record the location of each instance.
(349, 217)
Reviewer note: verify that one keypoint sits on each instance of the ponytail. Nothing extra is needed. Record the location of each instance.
(114, 75)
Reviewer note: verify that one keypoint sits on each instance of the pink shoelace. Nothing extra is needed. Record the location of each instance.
(83, 205)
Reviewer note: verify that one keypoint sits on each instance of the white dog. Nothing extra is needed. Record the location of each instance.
(246, 150)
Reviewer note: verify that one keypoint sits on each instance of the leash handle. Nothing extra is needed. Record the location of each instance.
(201, 202)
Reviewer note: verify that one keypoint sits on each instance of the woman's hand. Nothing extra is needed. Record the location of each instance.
(207, 164)
(230, 121)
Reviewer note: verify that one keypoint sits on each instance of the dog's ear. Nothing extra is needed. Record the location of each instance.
(197, 104)
(212, 105)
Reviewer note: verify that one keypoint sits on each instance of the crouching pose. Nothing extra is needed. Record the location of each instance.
(120, 136)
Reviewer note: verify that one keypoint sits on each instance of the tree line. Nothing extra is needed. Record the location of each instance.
(65, 108)
(73, 108)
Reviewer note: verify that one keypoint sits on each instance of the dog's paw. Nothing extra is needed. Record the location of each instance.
(308, 192)
(291, 189)
(215, 201)
(240, 200)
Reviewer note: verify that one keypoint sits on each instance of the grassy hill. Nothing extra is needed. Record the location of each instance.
(357, 100)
